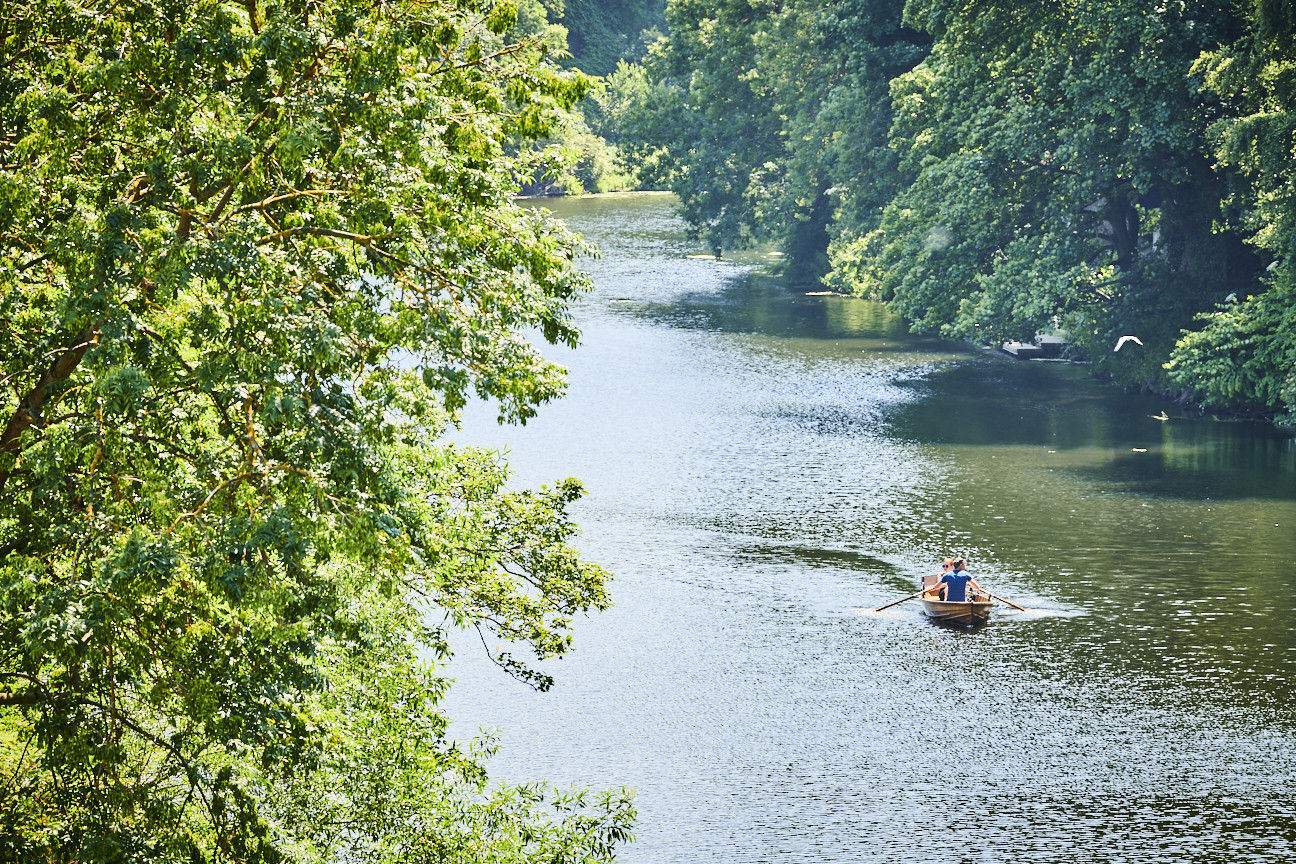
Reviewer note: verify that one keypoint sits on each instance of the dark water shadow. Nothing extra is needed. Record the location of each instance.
(993, 402)
(1179, 473)
(960, 628)
(840, 559)
(989, 400)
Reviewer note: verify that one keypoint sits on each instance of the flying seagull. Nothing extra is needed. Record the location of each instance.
(1121, 341)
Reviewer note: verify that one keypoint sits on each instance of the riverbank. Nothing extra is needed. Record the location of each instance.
(1178, 399)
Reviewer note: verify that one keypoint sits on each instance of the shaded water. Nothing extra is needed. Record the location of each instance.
(764, 468)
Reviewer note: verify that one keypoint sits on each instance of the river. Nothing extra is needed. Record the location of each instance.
(764, 468)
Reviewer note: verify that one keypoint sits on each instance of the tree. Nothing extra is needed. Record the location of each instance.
(828, 68)
(725, 128)
(994, 169)
(1060, 174)
(769, 120)
(639, 117)
(603, 33)
(254, 260)
(1245, 354)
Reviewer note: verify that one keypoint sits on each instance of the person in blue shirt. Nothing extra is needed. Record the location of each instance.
(955, 580)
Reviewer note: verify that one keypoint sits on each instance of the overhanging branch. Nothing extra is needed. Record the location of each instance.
(25, 416)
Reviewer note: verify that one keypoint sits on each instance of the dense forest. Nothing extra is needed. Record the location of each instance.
(996, 169)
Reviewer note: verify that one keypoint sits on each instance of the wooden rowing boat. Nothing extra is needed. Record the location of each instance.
(973, 611)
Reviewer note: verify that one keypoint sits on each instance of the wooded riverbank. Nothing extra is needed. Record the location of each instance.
(1113, 169)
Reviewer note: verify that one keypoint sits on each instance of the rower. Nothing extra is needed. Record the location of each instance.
(956, 580)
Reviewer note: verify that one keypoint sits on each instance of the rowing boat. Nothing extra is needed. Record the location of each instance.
(972, 611)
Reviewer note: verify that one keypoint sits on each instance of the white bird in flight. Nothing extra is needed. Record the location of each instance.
(1121, 341)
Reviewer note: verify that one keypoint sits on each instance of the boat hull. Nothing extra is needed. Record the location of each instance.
(971, 612)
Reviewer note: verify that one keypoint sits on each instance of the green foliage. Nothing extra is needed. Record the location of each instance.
(565, 157)
(1244, 356)
(638, 116)
(602, 34)
(1056, 156)
(254, 259)
(573, 161)
(726, 129)
(994, 169)
(769, 121)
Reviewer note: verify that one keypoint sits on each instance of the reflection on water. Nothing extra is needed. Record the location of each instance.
(1001, 402)
(764, 468)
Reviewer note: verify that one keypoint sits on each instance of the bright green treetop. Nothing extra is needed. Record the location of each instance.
(253, 257)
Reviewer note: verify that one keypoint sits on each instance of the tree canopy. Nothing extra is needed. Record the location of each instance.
(254, 259)
(601, 33)
(1246, 351)
(767, 119)
(995, 169)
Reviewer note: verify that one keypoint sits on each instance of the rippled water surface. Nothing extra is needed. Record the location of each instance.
(763, 468)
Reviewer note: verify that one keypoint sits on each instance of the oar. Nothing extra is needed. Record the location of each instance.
(902, 599)
(1002, 600)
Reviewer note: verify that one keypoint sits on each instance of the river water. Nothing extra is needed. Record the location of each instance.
(763, 468)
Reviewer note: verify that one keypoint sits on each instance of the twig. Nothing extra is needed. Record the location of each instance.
(266, 202)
